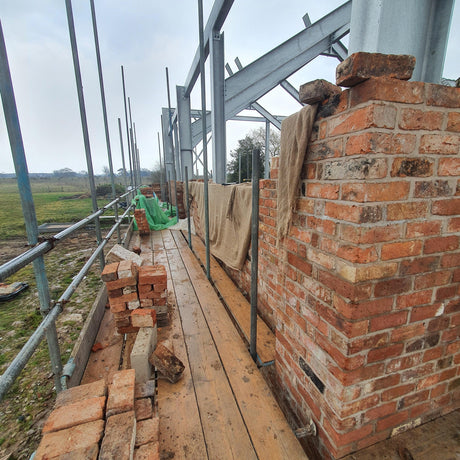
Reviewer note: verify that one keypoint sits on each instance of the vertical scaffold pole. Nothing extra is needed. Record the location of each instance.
(84, 124)
(104, 113)
(28, 207)
(122, 154)
(172, 145)
(205, 144)
(162, 191)
(189, 226)
(127, 127)
(254, 252)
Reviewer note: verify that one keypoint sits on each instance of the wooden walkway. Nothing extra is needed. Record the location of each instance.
(222, 408)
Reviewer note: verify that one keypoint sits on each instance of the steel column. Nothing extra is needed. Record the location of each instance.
(127, 127)
(185, 131)
(28, 208)
(267, 150)
(177, 153)
(189, 227)
(122, 154)
(219, 156)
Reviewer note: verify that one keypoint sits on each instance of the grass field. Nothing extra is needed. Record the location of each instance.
(53, 203)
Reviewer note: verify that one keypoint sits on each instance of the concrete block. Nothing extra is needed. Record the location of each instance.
(119, 253)
(317, 91)
(362, 66)
(121, 393)
(81, 392)
(72, 439)
(119, 438)
(87, 410)
(143, 347)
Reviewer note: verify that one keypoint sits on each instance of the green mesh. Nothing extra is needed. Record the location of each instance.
(157, 219)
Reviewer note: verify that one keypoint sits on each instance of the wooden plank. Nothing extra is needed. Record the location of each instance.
(224, 430)
(239, 307)
(269, 431)
(181, 435)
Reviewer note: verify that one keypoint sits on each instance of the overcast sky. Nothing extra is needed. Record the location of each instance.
(144, 36)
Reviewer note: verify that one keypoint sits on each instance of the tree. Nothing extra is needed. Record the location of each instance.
(64, 172)
(156, 174)
(243, 154)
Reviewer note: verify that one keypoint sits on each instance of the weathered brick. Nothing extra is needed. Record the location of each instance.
(317, 91)
(418, 265)
(411, 167)
(144, 317)
(449, 167)
(121, 393)
(442, 96)
(453, 122)
(321, 190)
(432, 279)
(418, 229)
(415, 298)
(352, 213)
(81, 392)
(147, 431)
(392, 420)
(404, 211)
(152, 274)
(84, 411)
(145, 389)
(70, 440)
(149, 451)
(299, 263)
(121, 283)
(361, 66)
(370, 235)
(357, 254)
(420, 119)
(379, 191)
(392, 287)
(400, 250)
(441, 244)
(110, 272)
(127, 269)
(432, 189)
(440, 144)
(367, 272)
(144, 345)
(388, 321)
(143, 408)
(119, 438)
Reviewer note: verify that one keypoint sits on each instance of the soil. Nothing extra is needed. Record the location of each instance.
(29, 401)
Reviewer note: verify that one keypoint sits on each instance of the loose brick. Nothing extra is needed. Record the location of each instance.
(420, 119)
(440, 144)
(167, 362)
(152, 274)
(129, 290)
(127, 269)
(147, 431)
(70, 440)
(144, 317)
(361, 66)
(143, 408)
(121, 283)
(442, 96)
(119, 253)
(149, 451)
(84, 411)
(145, 389)
(411, 167)
(119, 438)
(121, 393)
(110, 272)
(81, 392)
(317, 91)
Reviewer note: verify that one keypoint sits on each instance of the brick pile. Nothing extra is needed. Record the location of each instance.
(364, 291)
(180, 198)
(147, 191)
(141, 222)
(153, 292)
(137, 295)
(94, 421)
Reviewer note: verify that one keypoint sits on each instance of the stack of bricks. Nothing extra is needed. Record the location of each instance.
(180, 198)
(153, 291)
(147, 191)
(142, 222)
(87, 423)
(157, 190)
(364, 291)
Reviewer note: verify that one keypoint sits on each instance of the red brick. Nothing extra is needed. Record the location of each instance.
(305, 205)
(441, 244)
(110, 272)
(380, 411)
(326, 191)
(368, 308)
(401, 334)
(432, 189)
(388, 321)
(370, 142)
(384, 353)
(442, 96)
(400, 250)
(392, 287)
(87, 410)
(317, 91)
(428, 228)
(69, 440)
(81, 392)
(361, 66)
(121, 393)
(392, 421)
(362, 192)
(144, 317)
(410, 210)
(160, 287)
(419, 265)
(119, 438)
(358, 375)
(121, 283)
(449, 167)
(453, 225)
(446, 292)
(370, 235)
(421, 313)
(413, 299)
(371, 116)
(420, 119)
(442, 144)
(127, 269)
(368, 342)
(299, 263)
(453, 122)
(344, 288)
(144, 289)
(353, 213)
(149, 451)
(406, 362)
(326, 149)
(432, 279)
(411, 167)
(152, 274)
(147, 431)
(357, 254)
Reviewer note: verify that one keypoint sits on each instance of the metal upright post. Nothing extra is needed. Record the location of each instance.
(239, 167)
(122, 155)
(189, 226)
(177, 153)
(104, 113)
(205, 146)
(172, 146)
(254, 251)
(162, 191)
(84, 125)
(267, 150)
(28, 208)
(138, 162)
(185, 130)
(127, 127)
(132, 145)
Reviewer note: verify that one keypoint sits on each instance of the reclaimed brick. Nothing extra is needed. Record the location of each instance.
(167, 362)
(439, 144)
(80, 393)
(84, 411)
(420, 119)
(317, 91)
(380, 191)
(121, 283)
(150, 451)
(121, 393)
(449, 167)
(411, 167)
(144, 317)
(152, 274)
(145, 389)
(127, 269)
(147, 431)
(359, 168)
(110, 272)
(143, 408)
(119, 253)
(442, 96)
(432, 189)
(119, 438)
(453, 122)
(70, 440)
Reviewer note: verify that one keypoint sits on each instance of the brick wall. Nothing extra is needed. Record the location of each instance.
(364, 292)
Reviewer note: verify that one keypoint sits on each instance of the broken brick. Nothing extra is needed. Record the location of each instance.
(119, 438)
(121, 393)
(317, 91)
(127, 269)
(110, 272)
(143, 408)
(144, 317)
(167, 363)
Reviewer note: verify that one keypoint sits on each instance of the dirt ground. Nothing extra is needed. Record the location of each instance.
(27, 404)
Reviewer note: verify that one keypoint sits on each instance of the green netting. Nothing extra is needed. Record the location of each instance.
(156, 217)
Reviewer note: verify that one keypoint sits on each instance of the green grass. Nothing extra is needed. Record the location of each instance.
(49, 204)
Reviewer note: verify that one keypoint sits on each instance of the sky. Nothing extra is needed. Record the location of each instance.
(145, 36)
